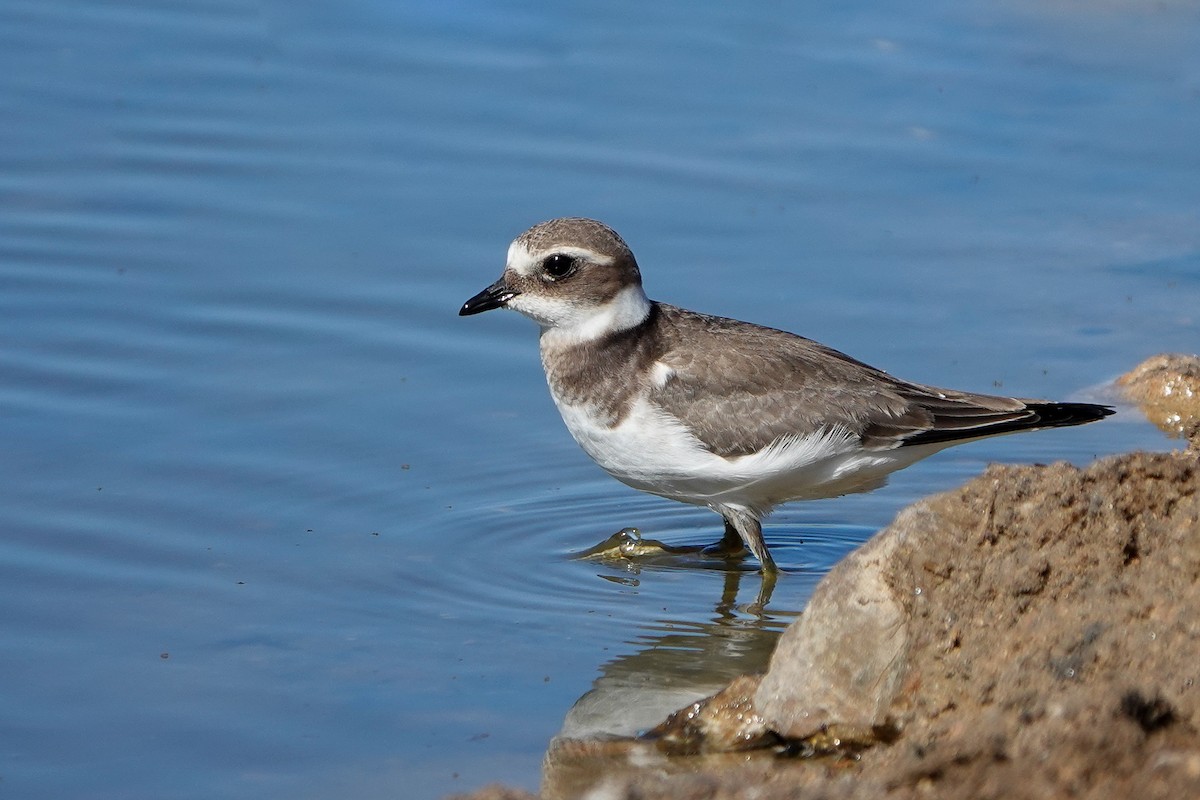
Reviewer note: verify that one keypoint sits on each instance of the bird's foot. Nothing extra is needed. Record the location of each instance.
(628, 544)
(725, 549)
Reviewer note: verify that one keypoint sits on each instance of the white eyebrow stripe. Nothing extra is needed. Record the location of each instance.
(581, 252)
(524, 262)
(520, 259)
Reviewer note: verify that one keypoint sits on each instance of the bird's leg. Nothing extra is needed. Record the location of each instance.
(732, 542)
(730, 546)
(749, 529)
(727, 609)
(764, 590)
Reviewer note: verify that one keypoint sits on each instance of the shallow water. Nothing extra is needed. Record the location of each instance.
(277, 523)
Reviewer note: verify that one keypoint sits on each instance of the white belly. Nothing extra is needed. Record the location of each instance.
(654, 452)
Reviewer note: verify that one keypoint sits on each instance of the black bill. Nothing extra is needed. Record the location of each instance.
(495, 296)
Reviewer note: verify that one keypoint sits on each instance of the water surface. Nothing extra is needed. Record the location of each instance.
(275, 522)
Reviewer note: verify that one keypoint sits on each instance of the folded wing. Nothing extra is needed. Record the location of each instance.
(754, 385)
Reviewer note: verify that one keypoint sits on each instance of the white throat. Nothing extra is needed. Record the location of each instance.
(628, 308)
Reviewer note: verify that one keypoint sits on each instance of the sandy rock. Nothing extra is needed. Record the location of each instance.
(725, 722)
(842, 661)
(1167, 389)
(1054, 642)
(1022, 584)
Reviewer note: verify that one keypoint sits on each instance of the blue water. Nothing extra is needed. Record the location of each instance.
(275, 522)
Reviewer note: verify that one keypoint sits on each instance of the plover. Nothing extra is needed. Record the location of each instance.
(720, 413)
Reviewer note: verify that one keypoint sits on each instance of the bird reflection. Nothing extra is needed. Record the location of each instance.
(676, 662)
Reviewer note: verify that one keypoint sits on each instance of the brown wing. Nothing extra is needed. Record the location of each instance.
(739, 387)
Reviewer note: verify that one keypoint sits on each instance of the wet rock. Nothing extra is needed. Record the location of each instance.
(842, 661)
(1052, 645)
(637, 768)
(1167, 389)
(725, 722)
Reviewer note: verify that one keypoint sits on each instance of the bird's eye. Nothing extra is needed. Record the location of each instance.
(559, 265)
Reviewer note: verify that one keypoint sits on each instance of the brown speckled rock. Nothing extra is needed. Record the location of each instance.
(727, 721)
(1167, 389)
(842, 661)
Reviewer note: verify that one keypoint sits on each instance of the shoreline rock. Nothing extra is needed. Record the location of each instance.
(1166, 388)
